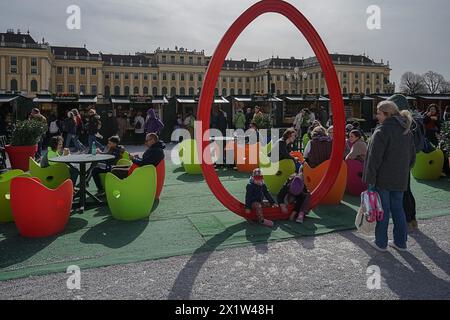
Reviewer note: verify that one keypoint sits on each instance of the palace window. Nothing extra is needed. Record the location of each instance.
(94, 90)
(145, 76)
(71, 70)
(14, 85)
(182, 77)
(59, 88)
(191, 60)
(33, 86)
(127, 76)
(116, 75)
(136, 90)
(181, 60)
(136, 76)
(107, 91)
(182, 91)
(116, 90)
(191, 77)
(174, 77)
(94, 71)
(164, 75)
(145, 91)
(71, 88)
(127, 90)
(224, 92)
(82, 71)
(155, 91)
(164, 91)
(34, 62)
(191, 91)
(200, 78)
(172, 59)
(173, 92)
(155, 77)
(59, 70)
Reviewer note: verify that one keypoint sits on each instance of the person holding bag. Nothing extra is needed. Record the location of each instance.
(390, 157)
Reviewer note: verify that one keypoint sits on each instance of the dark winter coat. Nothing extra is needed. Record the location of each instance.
(153, 156)
(256, 193)
(391, 156)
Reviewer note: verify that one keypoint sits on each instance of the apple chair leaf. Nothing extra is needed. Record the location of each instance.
(124, 162)
(132, 198)
(276, 175)
(46, 211)
(52, 176)
(428, 166)
(5, 196)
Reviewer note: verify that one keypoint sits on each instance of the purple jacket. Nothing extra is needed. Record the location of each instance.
(153, 124)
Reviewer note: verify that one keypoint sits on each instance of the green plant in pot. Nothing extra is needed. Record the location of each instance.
(24, 139)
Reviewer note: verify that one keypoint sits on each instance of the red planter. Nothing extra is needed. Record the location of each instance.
(19, 156)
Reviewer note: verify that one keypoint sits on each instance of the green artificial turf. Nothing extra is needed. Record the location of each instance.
(187, 219)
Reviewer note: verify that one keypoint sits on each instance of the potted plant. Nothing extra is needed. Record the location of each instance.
(25, 136)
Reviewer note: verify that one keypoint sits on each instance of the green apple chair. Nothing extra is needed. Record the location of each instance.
(51, 177)
(126, 155)
(132, 198)
(428, 166)
(122, 162)
(5, 196)
(276, 174)
(189, 157)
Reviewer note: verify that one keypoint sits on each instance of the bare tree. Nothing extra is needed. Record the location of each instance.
(412, 83)
(445, 87)
(433, 81)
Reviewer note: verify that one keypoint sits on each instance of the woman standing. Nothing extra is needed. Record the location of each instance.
(432, 124)
(153, 124)
(390, 157)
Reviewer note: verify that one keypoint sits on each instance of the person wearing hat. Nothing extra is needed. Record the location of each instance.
(256, 194)
(295, 191)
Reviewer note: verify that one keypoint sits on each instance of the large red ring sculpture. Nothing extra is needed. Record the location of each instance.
(207, 95)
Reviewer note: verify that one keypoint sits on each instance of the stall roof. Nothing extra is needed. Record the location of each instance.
(7, 98)
(160, 100)
(301, 98)
(432, 97)
(187, 100)
(120, 100)
(387, 96)
(221, 100)
(243, 99)
(87, 99)
(274, 99)
(43, 100)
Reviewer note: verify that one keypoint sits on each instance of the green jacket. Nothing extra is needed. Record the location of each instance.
(239, 121)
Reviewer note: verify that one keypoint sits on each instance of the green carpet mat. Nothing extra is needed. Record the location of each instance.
(188, 219)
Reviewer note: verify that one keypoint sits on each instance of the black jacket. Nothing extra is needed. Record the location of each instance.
(256, 193)
(390, 157)
(93, 124)
(153, 156)
(283, 151)
(70, 126)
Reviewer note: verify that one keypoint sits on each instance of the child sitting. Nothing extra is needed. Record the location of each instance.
(55, 150)
(294, 191)
(255, 195)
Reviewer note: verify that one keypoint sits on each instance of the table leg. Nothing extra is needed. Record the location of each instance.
(82, 191)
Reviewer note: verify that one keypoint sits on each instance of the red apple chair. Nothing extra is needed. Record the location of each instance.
(355, 185)
(313, 176)
(39, 211)
(247, 157)
(160, 176)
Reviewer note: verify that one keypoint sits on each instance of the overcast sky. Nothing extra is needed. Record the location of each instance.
(414, 35)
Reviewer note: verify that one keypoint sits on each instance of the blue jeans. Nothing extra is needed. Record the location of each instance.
(73, 137)
(392, 202)
(93, 139)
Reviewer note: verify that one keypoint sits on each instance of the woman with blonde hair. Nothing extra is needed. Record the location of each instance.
(390, 157)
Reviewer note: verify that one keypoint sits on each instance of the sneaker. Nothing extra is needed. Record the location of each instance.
(393, 245)
(374, 245)
(300, 218)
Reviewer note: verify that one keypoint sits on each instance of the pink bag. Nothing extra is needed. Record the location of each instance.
(371, 205)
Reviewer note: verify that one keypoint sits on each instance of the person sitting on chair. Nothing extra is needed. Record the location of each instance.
(153, 155)
(112, 148)
(55, 149)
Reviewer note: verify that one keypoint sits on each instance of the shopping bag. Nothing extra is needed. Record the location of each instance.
(362, 224)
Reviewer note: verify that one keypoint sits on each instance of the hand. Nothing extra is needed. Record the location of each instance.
(283, 208)
(248, 211)
(275, 205)
(66, 152)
